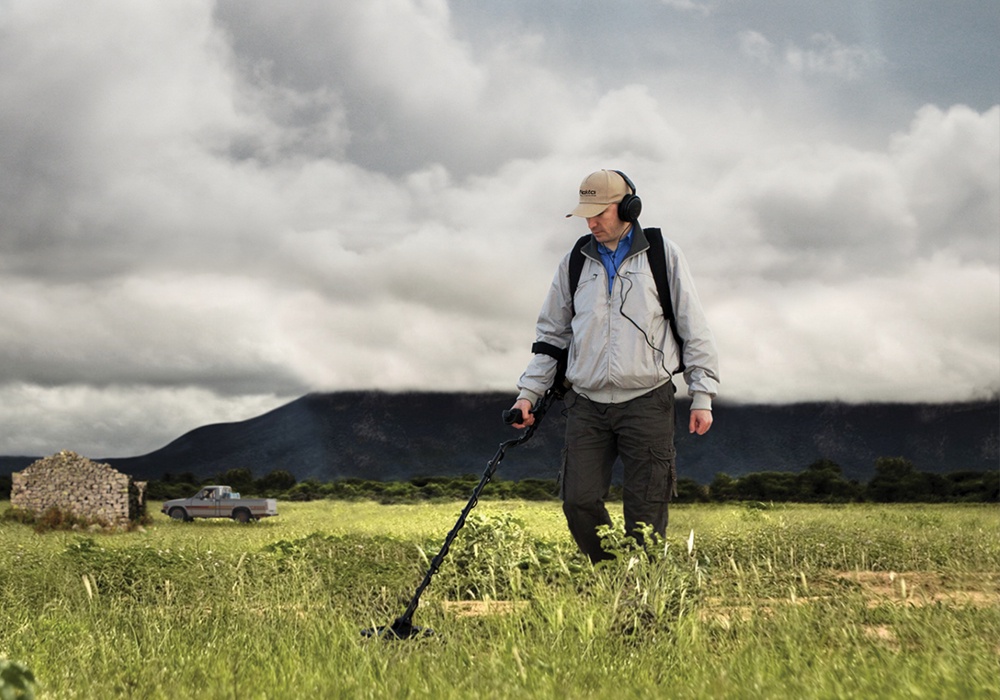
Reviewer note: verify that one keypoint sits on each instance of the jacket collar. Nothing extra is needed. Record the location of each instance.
(639, 244)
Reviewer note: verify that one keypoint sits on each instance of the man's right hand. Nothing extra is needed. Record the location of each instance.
(525, 407)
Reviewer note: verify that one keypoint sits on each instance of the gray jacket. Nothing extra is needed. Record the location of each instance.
(620, 345)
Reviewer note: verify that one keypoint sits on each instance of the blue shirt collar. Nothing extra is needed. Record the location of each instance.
(624, 245)
(613, 258)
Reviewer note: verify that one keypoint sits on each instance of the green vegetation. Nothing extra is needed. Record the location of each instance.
(16, 681)
(895, 481)
(56, 518)
(742, 600)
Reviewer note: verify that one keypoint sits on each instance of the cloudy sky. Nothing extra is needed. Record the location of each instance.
(208, 209)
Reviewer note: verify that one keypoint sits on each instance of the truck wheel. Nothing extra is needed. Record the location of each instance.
(178, 514)
(241, 516)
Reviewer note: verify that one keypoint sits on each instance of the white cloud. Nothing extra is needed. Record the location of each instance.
(115, 421)
(412, 91)
(948, 164)
(898, 337)
(701, 8)
(828, 56)
(194, 330)
(755, 45)
(825, 55)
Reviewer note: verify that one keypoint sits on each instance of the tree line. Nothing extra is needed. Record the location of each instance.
(895, 480)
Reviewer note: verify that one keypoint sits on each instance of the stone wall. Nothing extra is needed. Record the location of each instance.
(75, 484)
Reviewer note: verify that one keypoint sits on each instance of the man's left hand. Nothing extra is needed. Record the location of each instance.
(701, 421)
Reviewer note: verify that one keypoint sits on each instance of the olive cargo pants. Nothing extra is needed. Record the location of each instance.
(641, 432)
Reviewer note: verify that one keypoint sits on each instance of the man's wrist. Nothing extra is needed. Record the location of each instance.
(529, 396)
(701, 401)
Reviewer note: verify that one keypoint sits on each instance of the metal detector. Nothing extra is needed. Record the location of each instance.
(403, 627)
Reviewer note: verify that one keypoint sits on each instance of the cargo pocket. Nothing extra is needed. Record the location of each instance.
(663, 474)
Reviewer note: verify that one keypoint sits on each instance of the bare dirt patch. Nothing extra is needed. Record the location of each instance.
(482, 608)
(911, 588)
(925, 587)
(882, 634)
(915, 588)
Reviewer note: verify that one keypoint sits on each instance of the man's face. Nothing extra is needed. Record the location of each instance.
(607, 228)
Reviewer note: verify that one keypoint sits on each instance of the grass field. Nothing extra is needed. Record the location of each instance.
(765, 601)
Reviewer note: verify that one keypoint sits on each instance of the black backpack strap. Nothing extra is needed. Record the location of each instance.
(658, 266)
(561, 356)
(576, 266)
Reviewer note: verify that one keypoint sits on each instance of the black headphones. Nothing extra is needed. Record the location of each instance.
(631, 206)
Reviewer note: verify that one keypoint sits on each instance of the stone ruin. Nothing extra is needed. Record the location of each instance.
(93, 491)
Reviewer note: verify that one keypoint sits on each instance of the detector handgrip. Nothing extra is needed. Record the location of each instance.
(512, 416)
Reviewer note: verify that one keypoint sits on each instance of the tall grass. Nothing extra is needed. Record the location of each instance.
(783, 601)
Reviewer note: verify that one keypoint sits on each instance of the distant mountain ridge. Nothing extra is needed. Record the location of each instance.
(396, 436)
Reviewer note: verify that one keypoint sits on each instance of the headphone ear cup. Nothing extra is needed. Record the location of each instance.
(629, 208)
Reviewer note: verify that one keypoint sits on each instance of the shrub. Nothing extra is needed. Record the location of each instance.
(56, 518)
(275, 482)
(17, 682)
(650, 586)
(690, 491)
(493, 558)
(308, 490)
(18, 515)
(167, 490)
(240, 479)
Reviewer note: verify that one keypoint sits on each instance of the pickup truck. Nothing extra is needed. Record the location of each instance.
(220, 502)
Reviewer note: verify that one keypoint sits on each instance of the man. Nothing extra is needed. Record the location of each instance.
(621, 353)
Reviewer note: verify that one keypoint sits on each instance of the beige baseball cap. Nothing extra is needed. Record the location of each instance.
(597, 191)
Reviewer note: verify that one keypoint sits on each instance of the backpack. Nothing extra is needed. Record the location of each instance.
(657, 265)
